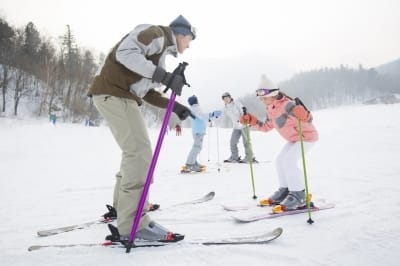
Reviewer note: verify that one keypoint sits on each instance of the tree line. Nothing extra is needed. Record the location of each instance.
(330, 87)
(55, 77)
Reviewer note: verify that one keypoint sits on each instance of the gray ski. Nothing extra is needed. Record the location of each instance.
(245, 240)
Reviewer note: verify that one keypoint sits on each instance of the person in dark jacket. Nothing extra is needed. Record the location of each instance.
(131, 72)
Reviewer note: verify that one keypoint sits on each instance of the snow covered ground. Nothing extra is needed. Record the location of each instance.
(59, 175)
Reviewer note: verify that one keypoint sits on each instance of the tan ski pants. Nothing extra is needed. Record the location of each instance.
(129, 130)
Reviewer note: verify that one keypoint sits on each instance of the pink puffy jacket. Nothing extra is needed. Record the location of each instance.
(280, 117)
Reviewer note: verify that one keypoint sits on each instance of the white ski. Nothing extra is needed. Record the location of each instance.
(269, 215)
(55, 231)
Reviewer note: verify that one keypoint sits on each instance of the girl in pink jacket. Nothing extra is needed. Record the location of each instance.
(283, 115)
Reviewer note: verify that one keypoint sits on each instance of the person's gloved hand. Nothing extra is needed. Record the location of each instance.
(301, 113)
(215, 114)
(174, 82)
(248, 119)
(181, 111)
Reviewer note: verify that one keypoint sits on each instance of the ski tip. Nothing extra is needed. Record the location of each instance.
(233, 208)
(32, 248)
(210, 195)
(277, 231)
(240, 220)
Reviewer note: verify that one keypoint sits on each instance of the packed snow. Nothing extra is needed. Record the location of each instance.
(63, 174)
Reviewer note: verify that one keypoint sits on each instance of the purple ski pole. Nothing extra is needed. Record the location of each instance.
(179, 70)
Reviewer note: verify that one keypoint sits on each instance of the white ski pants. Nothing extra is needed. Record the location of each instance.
(287, 165)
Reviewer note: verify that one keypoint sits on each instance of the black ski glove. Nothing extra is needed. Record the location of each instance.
(181, 111)
(174, 82)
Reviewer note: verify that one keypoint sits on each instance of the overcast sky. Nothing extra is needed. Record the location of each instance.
(303, 34)
(296, 35)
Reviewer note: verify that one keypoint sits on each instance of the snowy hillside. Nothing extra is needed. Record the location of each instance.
(60, 175)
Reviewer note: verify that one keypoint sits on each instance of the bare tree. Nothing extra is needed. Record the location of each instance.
(86, 70)
(47, 72)
(24, 85)
(6, 46)
(5, 79)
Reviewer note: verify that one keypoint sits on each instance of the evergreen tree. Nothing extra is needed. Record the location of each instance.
(71, 58)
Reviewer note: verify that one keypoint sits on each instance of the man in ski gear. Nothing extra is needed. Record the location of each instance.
(283, 115)
(234, 110)
(198, 131)
(131, 72)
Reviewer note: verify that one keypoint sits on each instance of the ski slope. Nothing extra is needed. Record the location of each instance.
(53, 176)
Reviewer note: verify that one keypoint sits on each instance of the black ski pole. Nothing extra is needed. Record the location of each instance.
(218, 163)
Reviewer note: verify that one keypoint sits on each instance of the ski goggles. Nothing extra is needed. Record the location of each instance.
(194, 32)
(267, 92)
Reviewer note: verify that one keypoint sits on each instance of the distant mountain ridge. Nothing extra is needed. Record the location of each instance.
(328, 87)
(391, 68)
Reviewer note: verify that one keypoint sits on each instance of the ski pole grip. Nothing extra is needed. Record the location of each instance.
(245, 113)
(299, 102)
(179, 70)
